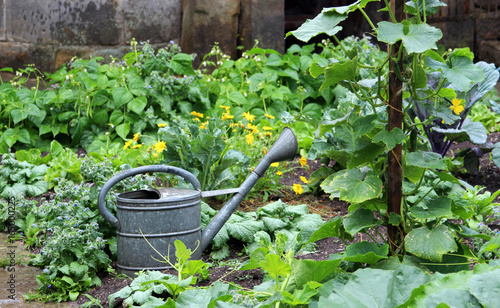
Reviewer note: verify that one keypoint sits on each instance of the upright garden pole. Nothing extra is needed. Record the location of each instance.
(394, 170)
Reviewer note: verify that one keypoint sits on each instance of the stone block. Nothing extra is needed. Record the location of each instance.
(263, 20)
(456, 34)
(20, 55)
(205, 22)
(83, 22)
(155, 21)
(2, 20)
(490, 52)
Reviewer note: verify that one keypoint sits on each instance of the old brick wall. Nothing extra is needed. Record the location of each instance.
(48, 33)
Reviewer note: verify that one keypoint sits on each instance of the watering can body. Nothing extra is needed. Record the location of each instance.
(149, 221)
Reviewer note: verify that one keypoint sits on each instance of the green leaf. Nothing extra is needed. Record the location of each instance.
(435, 208)
(332, 228)
(122, 130)
(430, 244)
(238, 98)
(304, 271)
(376, 288)
(116, 117)
(419, 38)
(323, 23)
(121, 96)
(359, 220)
(354, 185)
(275, 266)
(486, 288)
(495, 154)
(138, 104)
(365, 252)
(340, 71)
(390, 139)
(470, 131)
(460, 71)
(182, 64)
(427, 160)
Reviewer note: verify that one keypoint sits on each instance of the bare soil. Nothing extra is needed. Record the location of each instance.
(488, 176)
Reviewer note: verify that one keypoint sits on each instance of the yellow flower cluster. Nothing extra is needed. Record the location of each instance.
(197, 114)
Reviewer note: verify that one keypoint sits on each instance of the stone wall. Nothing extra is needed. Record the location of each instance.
(49, 33)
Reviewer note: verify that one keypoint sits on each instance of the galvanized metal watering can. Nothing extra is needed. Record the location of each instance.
(163, 215)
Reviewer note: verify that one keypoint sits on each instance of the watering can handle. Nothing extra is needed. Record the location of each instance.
(139, 170)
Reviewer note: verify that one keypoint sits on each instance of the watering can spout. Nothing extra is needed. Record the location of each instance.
(284, 148)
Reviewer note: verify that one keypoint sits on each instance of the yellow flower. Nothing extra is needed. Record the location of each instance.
(249, 138)
(267, 128)
(196, 119)
(303, 179)
(456, 106)
(269, 116)
(275, 164)
(264, 151)
(204, 125)
(249, 117)
(227, 116)
(253, 128)
(136, 136)
(279, 173)
(225, 108)
(155, 154)
(297, 188)
(160, 146)
(137, 146)
(197, 114)
(268, 134)
(162, 124)
(127, 144)
(303, 161)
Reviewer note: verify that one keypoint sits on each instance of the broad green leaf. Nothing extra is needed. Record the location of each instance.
(477, 92)
(365, 252)
(435, 208)
(304, 271)
(354, 185)
(332, 228)
(122, 130)
(238, 98)
(138, 104)
(339, 71)
(182, 64)
(431, 6)
(326, 23)
(348, 8)
(427, 160)
(419, 38)
(430, 244)
(470, 131)
(390, 139)
(358, 220)
(459, 71)
(495, 154)
(315, 69)
(121, 96)
(486, 288)
(275, 266)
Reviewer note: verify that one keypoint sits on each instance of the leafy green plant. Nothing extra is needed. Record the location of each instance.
(21, 178)
(269, 221)
(141, 289)
(204, 153)
(382, 164)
